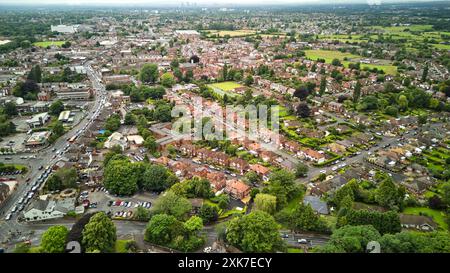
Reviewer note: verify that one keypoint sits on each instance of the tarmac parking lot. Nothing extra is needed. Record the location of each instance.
(117, 207)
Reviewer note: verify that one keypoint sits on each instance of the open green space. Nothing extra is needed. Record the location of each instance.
(437, 216)
(226, 86)
(232, 33)
(49, 43)
(347, 58)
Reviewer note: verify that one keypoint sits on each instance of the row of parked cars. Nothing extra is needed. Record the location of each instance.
(123, 214)
(129, 204)
(11, 173)
(23, 201)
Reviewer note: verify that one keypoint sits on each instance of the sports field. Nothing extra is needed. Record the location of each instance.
(232, 33)
(226, 86)
(49, 43)
(329, 55)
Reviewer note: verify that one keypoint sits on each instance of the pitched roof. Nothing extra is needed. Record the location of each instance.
(316, 204)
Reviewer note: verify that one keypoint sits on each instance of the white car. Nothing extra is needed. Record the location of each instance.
(8, 217)
(334, 168)
(323, 171)
(302, 241)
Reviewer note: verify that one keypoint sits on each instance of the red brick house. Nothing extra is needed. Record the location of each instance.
(239, 164)
(237, 189)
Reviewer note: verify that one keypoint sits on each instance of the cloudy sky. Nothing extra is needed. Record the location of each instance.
(172, 2)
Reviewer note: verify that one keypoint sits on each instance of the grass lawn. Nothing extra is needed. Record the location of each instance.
(232, 33)
(49, 43)
(282, 111)
(296, 200)
(437, 216)
(294, 250)
(329, 55)
(231, 212)
(121, 246)
(226, 86)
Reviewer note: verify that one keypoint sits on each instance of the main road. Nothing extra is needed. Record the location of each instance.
(49, 155)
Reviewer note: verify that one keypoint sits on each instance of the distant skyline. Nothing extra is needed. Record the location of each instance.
(199, 2)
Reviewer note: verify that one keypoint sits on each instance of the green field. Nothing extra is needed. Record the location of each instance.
(329, 55)
(49, 43)
(223, 88)
(437, 216)
(226, 86)
(232, 33)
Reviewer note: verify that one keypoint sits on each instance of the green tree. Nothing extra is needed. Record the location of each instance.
(162, 229)
(172, 204)
(10, 109)
(150, 144)
(58, 129)
(388, 194)
(35, 74)
(56, 107)
(391, 110)
(422, 119)
(336, 62)
(163, 113)
(341, 194)
(282, 186)
(403, 102)
(323, 85)
(266, 203)
(357, 92)
(113, 123)
(129, 119)
(254, 232)
(209, 213)
(193, 224)
(54, 239)
(62, 179)
(249, 80)
(301, 170)
(149, 73)
(120, 177)
(142, 214)
(167, 79)
(351, 239)
(252, 177)
(99, 234)
(446, 193)
(425, 73)
(155, 178)
(303, 218)
(384, 222)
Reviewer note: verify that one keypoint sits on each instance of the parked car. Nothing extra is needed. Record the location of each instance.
(302, 241)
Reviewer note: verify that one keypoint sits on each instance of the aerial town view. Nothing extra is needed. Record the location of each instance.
(224, 127)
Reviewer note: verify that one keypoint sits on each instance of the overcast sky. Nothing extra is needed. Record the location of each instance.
(199, 2)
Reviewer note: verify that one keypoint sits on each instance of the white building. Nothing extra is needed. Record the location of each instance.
(116, 138)
(64, 29)
(38, 120)
(45, 209)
